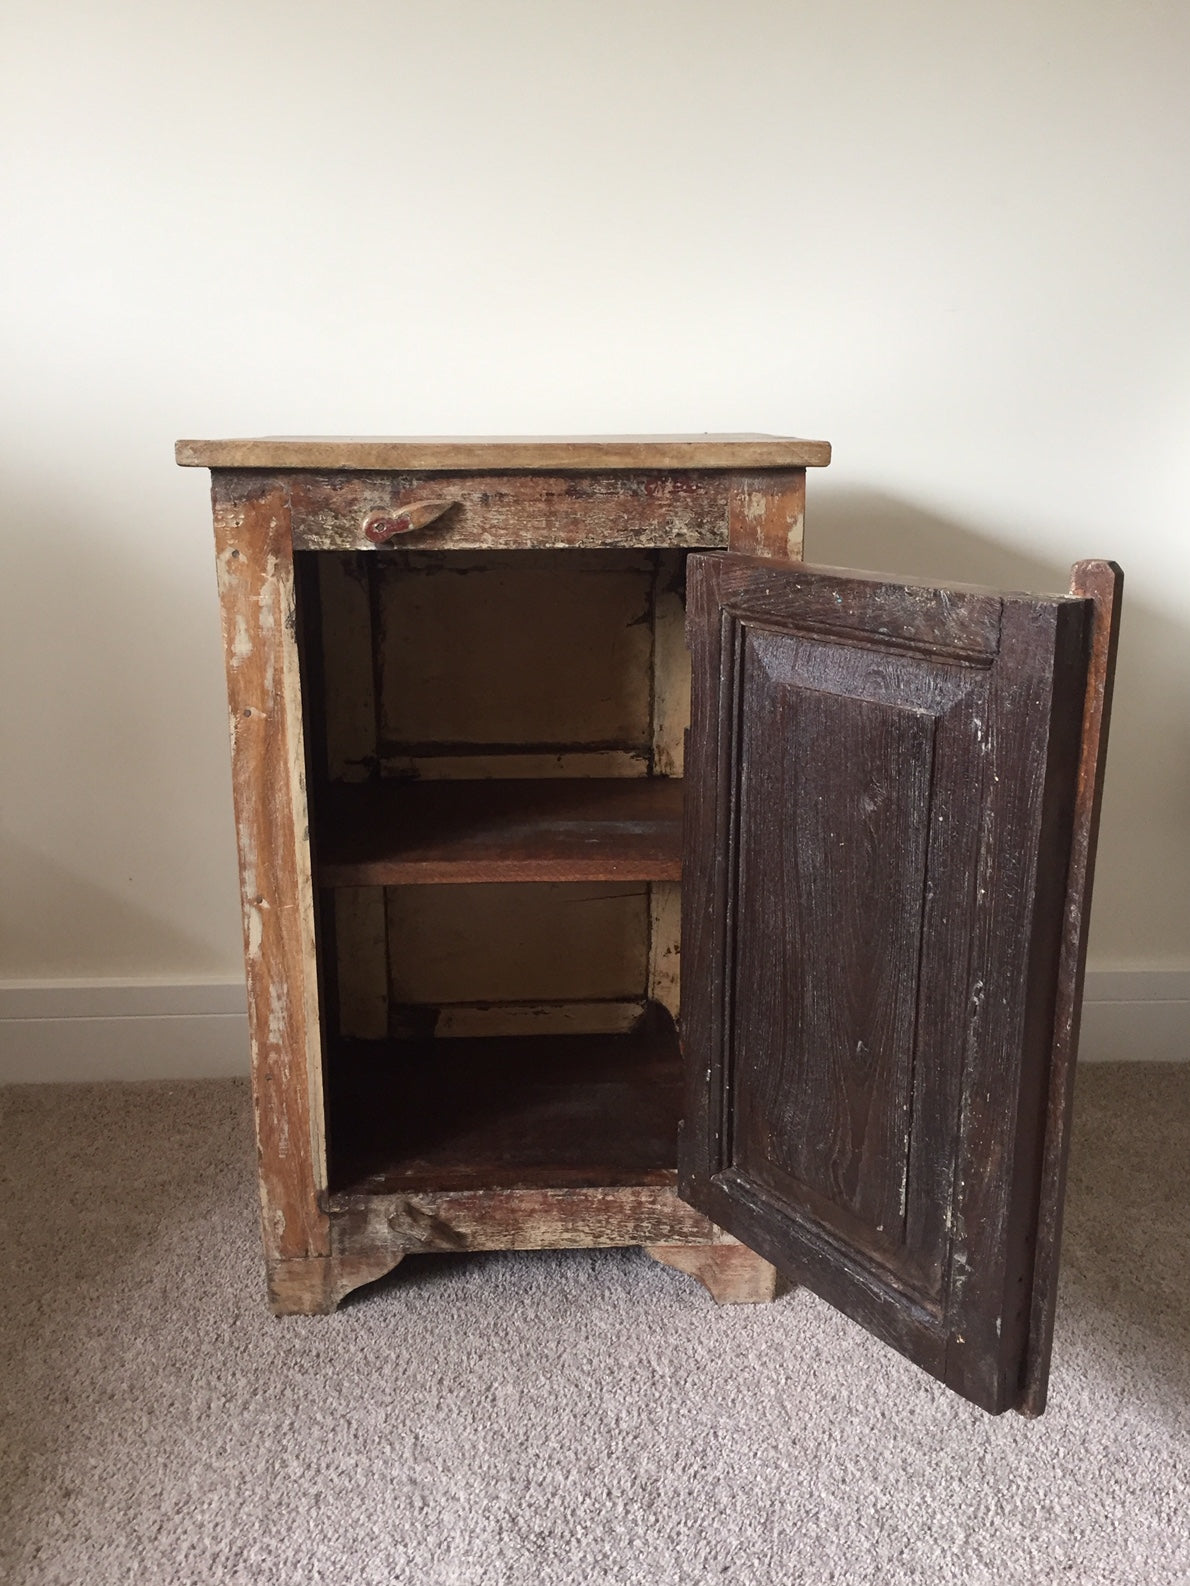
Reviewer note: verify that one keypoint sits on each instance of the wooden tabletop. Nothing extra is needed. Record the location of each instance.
(492, 453)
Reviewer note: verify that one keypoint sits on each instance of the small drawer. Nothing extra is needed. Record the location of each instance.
(511, 511)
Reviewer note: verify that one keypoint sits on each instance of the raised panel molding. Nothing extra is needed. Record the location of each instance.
(880, 816)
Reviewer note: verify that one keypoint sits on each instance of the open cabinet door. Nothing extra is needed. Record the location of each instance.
(891, 802)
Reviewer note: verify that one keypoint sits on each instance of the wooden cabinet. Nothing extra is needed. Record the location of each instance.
(544, 751)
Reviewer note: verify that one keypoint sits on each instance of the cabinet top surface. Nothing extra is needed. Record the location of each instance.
(458, 453)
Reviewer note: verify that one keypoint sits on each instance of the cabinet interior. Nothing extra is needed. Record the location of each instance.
(494, 760)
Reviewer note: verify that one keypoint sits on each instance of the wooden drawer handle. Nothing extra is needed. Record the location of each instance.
(382, 526)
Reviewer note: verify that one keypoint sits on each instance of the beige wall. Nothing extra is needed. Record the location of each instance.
(952, 239)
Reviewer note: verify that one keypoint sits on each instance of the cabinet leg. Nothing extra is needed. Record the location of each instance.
(733, 1274)
(314, 1286)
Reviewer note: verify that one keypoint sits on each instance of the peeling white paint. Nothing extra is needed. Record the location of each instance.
(277, 1024)
(241, 644)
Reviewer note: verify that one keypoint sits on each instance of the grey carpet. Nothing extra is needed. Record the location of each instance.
(553, 1418)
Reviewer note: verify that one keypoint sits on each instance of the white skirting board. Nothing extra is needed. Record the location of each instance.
(128, 1029)
(122, 1029)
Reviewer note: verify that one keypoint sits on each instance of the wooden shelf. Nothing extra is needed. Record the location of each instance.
(505, 1113)
(572, 829)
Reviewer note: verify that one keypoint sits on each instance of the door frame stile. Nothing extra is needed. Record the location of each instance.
(1101, 583)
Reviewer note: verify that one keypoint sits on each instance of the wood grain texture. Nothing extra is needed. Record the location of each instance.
(671, 665)
(573, 829)
(259, 614)
(521, 512)
(548, 1111)
(665, 945)
(731, 1274)
(517, 1219)
(879, 805)
(315, 1285)
(557, 453)
(1102, 583)
(958, 622)
(842, 818)
(767, 514)
(1035, 707)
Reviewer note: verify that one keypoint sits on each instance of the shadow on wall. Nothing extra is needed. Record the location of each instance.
(50, 915)
(1143, 872)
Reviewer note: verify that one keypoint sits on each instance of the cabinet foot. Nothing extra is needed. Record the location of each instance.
(314, 1286)
(733, 1274)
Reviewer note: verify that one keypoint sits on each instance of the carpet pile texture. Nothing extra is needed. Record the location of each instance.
(552, 1418)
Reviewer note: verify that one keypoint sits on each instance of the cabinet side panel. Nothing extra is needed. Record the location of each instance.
(348, 663)
(671, 666)
(767, 514)
(256, 586)
(348, 667)
(665, 944)
(671, 720)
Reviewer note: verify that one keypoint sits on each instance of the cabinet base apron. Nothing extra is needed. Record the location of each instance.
(371, 1234)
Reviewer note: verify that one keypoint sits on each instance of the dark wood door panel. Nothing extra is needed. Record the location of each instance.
(828, 949)
(879, 810)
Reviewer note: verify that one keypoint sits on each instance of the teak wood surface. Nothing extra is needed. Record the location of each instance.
(759, 510)
(316, 1246)
(254, 552)
(544, 453)
(891, 801)
(1101, 583)
(878, 906)
(568, 829)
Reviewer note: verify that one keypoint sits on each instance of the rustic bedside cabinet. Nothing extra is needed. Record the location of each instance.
(543, 749)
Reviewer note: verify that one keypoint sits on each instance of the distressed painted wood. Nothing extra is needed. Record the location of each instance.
(767, 514)
(1102, 583)
(665, 945)
(550, 453)
(731, 1273)
(880, 797)
(517, 1219)
(671, 665)
(512, 512)
(256, 584)
(315, 1285)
